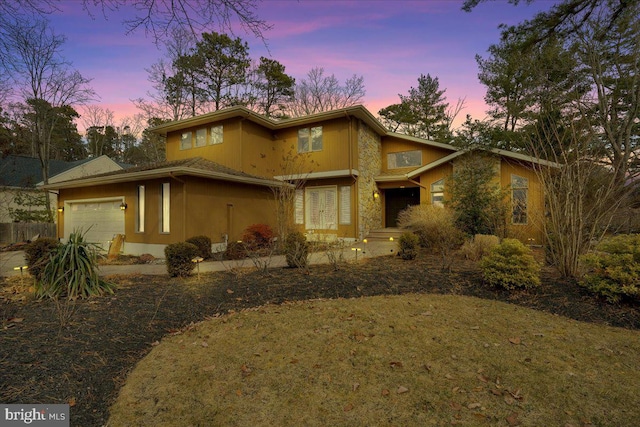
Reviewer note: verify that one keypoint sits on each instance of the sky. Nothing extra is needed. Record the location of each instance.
(389, 43)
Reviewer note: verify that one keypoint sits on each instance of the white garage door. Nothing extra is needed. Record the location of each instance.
(98, 220)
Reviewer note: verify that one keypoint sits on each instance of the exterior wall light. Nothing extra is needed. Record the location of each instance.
(376, 194)
(123, 206)
(61, 209)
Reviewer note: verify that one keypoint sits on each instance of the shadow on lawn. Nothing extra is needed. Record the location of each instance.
(85, 362)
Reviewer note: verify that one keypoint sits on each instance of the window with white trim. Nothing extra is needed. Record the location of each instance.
(519, 196)
(201, 137)
(165, 211)
(215, 135)
(140, 210)
(321, 208)
(345, 204)
(437, 193)
(310, 139)
(185, 140)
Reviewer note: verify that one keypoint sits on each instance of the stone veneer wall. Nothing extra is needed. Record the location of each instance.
(369, 166)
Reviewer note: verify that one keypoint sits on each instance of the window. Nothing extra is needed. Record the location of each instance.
(201, 137)
(215, 135)
(165, 211)
(321, 208)
(185, 141)
(404, 159)
(140, 210)
(310, 139)
(437, 193)
(519, 194)
(345, 204)
(299, 206)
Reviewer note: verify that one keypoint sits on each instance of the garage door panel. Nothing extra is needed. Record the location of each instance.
(98, 220)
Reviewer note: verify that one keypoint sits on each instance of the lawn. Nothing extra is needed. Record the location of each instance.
(85, 362)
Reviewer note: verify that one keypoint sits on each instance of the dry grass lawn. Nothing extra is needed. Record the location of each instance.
(408, 360)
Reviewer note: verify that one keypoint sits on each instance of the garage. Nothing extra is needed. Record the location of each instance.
(99, 220)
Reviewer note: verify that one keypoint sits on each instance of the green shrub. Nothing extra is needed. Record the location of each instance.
(257, 236)
(203, 243)
(180, 258)
(511, 265)
(235, 250)
(71, 272)
(408, 245)
(296, 250)
(613, 269)
(479, 246)
(37, 255)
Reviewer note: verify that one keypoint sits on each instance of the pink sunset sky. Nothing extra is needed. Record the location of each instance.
(389, 43)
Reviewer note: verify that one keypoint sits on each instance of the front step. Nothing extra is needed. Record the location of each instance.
(384, 234)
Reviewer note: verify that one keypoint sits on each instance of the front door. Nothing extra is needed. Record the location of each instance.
(397, 200)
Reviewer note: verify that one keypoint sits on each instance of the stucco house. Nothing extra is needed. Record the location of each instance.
(222, 166)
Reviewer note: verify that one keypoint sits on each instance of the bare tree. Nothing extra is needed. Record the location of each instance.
(30, 55)
(319, 93)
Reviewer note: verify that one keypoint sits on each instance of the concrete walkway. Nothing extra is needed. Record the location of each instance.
(9, 261)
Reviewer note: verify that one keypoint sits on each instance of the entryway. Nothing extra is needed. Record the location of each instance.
(397, 200)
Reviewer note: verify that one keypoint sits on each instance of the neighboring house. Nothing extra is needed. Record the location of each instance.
(20, 177)
(222, 166)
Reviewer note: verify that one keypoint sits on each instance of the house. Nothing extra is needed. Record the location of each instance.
(222, 168)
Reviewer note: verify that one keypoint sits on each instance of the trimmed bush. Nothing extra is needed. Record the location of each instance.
(479, 246)
(38, 253)
(203, 243)
(235, 250)
(71, 272)
(511, 265)
(408, 246)
(613, 269)
(257, 236)
(296, 250)
(180, 258)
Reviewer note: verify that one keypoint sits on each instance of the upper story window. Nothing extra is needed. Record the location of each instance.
(404, 159)
(201, 137)
(437, 193)
(185, 140)
(215, 135)
(310, 139)
(519, 195)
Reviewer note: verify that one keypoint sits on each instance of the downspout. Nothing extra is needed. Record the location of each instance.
(184, 205)
(353, 177)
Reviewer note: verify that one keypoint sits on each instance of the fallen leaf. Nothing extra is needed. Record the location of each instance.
(509, 400)
(155, 343)
(293, 361)
(229, 291)
(385, 392)
(355, 386)
(515, 340)
(483, 378)
(246, 370)
(475, 405)
(239, 393)
(402, 390)
(72, 402)
(16, 319)
(395, 364)
(348, 408)
(455, 406)
(513, 420)
(204, 344)
(209, 368)
(496, 392)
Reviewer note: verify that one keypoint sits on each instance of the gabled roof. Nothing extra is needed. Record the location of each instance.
(195, 166)
(26, 172)
(358, 111)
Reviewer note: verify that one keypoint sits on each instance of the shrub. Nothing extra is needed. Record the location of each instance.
(257, 236)
(37, 255)
(235, 250)
(510, 265)
(296, 250)
(179, 258)
(479, 246)
(203, 243)
(408, 245)
(613, 269)
(146, 259)
(71, 272)
(435, 227)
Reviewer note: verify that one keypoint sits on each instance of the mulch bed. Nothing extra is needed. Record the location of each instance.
(86, 361)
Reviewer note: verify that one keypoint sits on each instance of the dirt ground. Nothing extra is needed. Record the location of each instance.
(84, 361)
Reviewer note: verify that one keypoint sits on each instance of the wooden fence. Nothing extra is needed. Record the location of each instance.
(13, 232)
